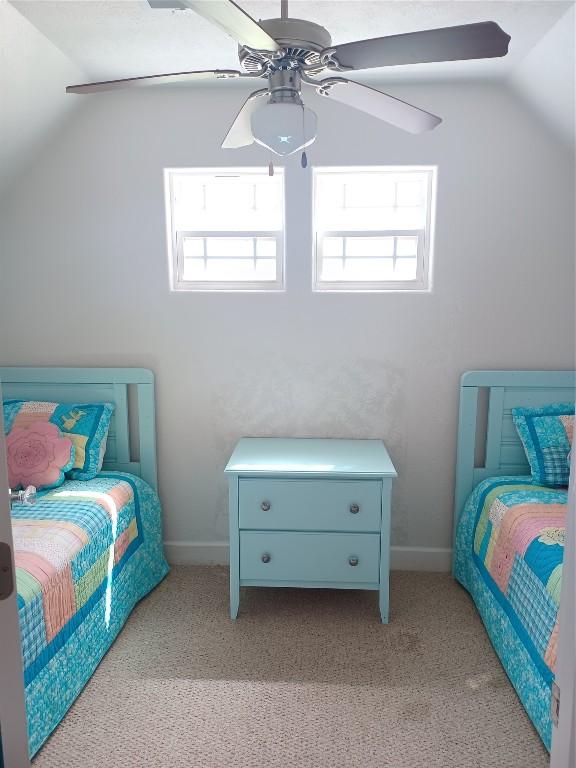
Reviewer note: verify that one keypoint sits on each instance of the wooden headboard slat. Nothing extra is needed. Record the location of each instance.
(122, 428)
(494, 431)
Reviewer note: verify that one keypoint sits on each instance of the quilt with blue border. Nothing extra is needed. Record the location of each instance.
(85, 553)
(509, 554)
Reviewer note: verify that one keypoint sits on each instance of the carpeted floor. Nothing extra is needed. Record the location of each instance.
(303, 679)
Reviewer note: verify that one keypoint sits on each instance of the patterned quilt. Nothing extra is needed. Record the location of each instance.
(85, 553)
(509, 553)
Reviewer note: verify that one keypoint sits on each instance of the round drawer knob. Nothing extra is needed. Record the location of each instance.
(265, 506)
(266, 558)
(353, 561)
(354, 508)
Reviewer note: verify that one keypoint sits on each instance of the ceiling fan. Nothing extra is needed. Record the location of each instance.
(289, 53)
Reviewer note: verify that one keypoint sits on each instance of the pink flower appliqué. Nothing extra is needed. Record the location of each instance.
(37, 455)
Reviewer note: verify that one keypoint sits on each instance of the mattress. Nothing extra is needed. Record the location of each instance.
(509, 553)
(85, 553)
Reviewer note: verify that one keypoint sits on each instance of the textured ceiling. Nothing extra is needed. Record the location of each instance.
(112, 39)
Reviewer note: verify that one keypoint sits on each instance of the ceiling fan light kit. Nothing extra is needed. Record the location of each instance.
(284, 128)
(283, 124)
(289, 53)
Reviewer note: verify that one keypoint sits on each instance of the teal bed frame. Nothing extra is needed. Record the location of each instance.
(488, 444)
(131, 445)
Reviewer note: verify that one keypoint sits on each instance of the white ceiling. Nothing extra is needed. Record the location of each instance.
(111, 39)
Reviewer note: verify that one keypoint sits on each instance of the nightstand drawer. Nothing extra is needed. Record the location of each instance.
(309, 557)
(330, 505)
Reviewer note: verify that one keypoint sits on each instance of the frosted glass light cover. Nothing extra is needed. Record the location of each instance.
(284, 128)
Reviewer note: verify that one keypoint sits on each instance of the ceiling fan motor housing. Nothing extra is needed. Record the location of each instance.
(302, 42)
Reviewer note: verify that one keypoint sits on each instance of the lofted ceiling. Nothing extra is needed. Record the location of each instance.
(111, 39)
(33, 101)
(48, 44)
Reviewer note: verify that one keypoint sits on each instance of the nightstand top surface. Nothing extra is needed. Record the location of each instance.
(276, 455)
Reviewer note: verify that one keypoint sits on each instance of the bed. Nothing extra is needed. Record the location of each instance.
(509, 531)
(87, 551)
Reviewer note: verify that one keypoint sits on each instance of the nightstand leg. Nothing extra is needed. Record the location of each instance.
(234, 547)
(384, 595)
(384, 608)
(234, 602)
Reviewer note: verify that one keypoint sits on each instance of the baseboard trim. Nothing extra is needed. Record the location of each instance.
(420, 559)
(216, 553)
(197, 552)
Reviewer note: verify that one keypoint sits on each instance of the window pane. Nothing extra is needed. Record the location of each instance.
(406, 246)
(229, 247)
(371, 200)
(409, 193)
(357, 270)
(406, 269)
(375, 224)
(371, 192)
(368, 270)
(333, 246)
(193, 246)
(230, 270)
(266, 248)
(227, 226)
(370, 246)
(224, 203)
(229, 258)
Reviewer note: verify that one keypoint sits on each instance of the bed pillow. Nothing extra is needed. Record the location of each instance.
(38, 455)
(85, 424)
(546, 433)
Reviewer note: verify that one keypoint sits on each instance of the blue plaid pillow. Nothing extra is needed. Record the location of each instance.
(546, 434)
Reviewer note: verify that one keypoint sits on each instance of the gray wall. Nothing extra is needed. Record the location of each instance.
(545, 78)
(84, 242)
(33, 102)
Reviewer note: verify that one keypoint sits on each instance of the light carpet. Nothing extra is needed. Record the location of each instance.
(303, 679)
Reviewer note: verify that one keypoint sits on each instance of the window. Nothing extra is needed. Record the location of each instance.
(226, 229)
(373, 228)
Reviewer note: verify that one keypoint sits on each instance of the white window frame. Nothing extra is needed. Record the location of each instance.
(424, 256)
(176, 239)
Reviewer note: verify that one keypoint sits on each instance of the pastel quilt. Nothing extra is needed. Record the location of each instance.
(85, 553)
(509, 553)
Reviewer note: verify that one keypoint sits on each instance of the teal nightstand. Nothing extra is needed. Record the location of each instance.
(310, 513)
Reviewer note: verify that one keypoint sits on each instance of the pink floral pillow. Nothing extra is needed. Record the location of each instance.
(38, 455)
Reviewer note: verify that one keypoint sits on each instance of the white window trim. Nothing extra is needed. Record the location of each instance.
(175, 241)
(423, 283)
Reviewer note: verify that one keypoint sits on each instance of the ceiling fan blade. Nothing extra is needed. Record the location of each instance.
(240, 133)
(378, 104)
(483, 40)
(163, 5)
(174, 77)
(235, 22)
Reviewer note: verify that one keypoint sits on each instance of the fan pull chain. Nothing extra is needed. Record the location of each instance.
(304, 158)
